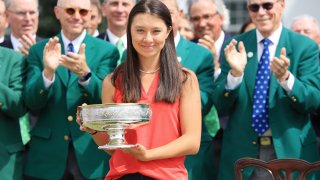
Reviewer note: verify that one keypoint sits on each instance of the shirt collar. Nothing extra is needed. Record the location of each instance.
(16, 43)
(114, 39)
(1, 39)
(76, 42)
(219, 42)
(96, 33)
(274, 37)
(177, 39)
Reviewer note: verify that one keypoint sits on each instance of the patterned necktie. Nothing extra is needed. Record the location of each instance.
(260, 116)
(70, 48)
(120, 47)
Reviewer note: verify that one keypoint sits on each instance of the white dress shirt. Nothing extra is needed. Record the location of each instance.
(16, 43)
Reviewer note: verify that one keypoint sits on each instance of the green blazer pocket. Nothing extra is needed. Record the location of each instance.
(14, 148)
(42, 132)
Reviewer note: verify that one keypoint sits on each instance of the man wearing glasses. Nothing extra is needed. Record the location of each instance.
(63, 73)
(269, 85)
(3, 22)
(209, 18)
(23, 19)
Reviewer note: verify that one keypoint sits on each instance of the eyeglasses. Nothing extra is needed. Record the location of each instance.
(206, 17)
(267, 6)
(22, 14)
(72, 11)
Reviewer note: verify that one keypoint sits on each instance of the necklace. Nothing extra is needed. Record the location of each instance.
(149, 72)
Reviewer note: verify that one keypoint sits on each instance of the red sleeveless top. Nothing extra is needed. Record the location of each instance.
(164, 127)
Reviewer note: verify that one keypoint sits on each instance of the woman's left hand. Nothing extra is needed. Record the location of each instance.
(138, 151)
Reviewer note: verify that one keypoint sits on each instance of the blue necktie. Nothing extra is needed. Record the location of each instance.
(260, 116)
(70, 48)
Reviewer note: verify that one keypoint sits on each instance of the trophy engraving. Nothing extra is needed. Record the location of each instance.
(114, 118)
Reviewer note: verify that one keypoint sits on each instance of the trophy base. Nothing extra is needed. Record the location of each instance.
(113, 147)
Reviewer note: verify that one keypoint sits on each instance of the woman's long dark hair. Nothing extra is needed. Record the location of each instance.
(170, 80)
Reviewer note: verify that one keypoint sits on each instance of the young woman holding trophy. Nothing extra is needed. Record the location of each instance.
(151, 74)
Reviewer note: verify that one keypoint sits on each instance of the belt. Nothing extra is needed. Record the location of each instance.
(265, 140)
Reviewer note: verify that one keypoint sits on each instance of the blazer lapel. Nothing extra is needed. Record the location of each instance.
(252, 64)
(2, 63)
(7, 42)
(182, 50)
(283, 42)
(62, 71)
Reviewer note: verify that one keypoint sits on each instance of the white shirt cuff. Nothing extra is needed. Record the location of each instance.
(233, 82)
(216, 74)
(84, 83)
(47, 82)
(288, 84)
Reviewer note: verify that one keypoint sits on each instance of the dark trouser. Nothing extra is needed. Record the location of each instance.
(72, 170)
(217, 144)
(135, 176)
(266, 153)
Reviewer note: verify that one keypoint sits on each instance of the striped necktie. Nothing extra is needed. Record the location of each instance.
(121, 48)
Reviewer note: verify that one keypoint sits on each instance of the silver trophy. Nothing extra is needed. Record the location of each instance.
(114, 118)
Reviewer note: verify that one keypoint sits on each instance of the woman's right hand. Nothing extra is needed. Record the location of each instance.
(100, 138)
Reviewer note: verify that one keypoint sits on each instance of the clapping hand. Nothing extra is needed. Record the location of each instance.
(51, 56)
(236, 59)
(279, 66)
(76, 63)
(209, 43)
(27, 40)
(83, 128)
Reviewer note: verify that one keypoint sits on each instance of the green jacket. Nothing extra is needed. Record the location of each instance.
(56, 126)
(293, 136)
(200, 61)
(12, 79)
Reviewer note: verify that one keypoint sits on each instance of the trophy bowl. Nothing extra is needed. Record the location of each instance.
(114, 118)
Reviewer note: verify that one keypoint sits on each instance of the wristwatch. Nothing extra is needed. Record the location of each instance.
(85, 77)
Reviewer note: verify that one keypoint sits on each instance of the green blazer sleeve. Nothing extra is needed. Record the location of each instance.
(12, 78)
(305, 95)
(221, 94)
(36, 94)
